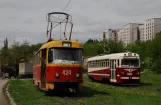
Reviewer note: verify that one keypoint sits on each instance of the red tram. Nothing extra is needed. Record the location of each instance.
(58, 63)
(120, 68)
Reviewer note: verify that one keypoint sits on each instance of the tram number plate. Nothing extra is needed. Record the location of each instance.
(67, 72)
(129, 73)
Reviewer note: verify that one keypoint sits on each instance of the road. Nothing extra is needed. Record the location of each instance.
(3, 101)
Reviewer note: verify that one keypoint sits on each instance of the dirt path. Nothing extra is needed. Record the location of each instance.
(2, 98)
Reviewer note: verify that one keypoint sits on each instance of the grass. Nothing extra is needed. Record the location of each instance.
(148, 93)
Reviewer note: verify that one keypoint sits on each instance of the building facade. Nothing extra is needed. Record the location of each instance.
(136, 31)
(150, 28)
(129, 33)
(141, 31)
(113, 34)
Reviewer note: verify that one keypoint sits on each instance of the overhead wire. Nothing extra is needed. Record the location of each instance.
(64, 9)
(66, 5)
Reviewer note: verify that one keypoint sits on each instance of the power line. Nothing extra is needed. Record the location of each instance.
(63, 9)
(66, 5)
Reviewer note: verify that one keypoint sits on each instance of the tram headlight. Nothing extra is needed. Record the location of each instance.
(118, 75)
(56, 75)
(77, 75)
(138, 73)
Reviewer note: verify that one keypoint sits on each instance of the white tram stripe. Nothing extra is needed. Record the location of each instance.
(124, 77)
(135, 77)
(113, 80)
(99, 74)
(131, 78)
(97, 69)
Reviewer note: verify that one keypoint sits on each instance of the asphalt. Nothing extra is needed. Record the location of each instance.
(3, 100)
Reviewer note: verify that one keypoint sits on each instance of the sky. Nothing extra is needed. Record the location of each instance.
(26, 19)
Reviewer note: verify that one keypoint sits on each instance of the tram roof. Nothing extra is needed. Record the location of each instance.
(112, 56)
(58, 43)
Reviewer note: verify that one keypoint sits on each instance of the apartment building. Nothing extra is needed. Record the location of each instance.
(129, 33)
(113, 35)
(149, 29)
(136, 31)
(141, 31)
(121, 36)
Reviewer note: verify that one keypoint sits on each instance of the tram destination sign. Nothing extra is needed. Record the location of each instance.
(66, 44)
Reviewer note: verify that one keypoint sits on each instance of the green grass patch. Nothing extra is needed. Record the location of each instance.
(148, 93)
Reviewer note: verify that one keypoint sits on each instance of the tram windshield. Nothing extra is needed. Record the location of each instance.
(65, 55)
(130, 62)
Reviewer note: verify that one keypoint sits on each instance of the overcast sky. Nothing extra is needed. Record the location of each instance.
(26, 19)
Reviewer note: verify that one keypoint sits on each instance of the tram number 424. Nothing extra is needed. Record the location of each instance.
(67, 72)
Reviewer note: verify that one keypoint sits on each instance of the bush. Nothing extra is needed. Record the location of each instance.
(157, 66)
(84, 70)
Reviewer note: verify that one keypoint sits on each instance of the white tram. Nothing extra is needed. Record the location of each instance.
(122, 68)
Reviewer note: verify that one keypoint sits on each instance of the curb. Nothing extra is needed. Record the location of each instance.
(11, 102)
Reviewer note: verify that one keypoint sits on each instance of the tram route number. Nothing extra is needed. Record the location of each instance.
(67, 72)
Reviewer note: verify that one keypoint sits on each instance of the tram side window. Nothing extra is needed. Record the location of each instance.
(103, 63)
(50, 56)
(94, 63)
(107, 62)
(37, 59)
(97, 63)
(88, 64)
(100, 63)
(91, 63)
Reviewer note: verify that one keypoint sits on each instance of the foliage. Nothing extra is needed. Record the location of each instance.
(91, 49)
(95, 47)
(12, 55)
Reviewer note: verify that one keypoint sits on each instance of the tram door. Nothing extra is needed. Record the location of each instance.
(112, 71)
(43, 68)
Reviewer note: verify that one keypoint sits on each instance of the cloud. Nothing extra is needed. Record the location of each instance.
(26, 19)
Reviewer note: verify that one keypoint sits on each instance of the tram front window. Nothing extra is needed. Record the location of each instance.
(130, 62)
(65, 55)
